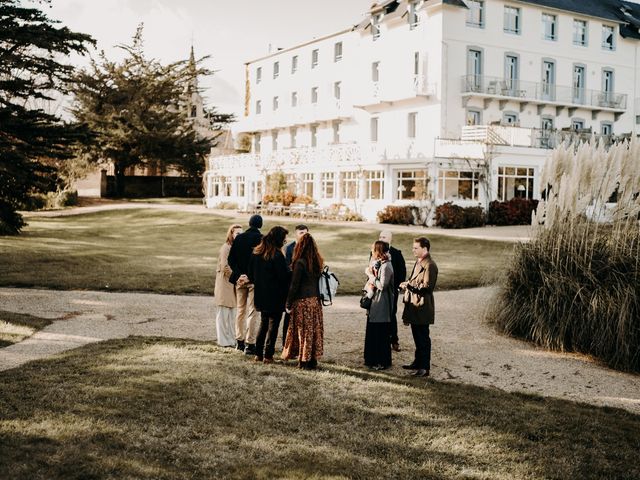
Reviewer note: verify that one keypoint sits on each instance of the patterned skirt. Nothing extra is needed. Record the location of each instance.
(305, 335)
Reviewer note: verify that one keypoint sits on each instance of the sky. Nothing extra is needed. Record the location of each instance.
(231, 32)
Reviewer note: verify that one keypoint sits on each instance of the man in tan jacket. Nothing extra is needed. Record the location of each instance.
(419, 307)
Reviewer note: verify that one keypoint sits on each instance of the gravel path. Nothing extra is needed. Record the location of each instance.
(464, 349)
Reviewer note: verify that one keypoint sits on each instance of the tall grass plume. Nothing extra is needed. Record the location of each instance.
(576, 285)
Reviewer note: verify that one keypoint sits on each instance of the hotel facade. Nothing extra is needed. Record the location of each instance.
(427, 102)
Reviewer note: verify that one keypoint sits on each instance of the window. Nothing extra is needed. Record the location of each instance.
(336, 90)
(474, 117)
(511, 74)
(258, 107)
(307, 184)
(411, 124)
(292, 183)
(294, 64)
(276, 69)
(606, 128)
(335, 125)
(546, 131)
(294, 99)
(455, 185)
(240, 186)
(413, 17)
(314, 135)
(375, 26)
(416, 63)
(580, 32)
(314, 95)
(375, 71)
(474, 70)
(314, 58)
(256, 142)
(515, 182)
(350, 185)
(374, 129)
(608, 37)
(194, 111)
(275, 103)
(579, 76)
(512, 20)
(607, 81)
(227, 186)
(293, 134)
(337, 52)
(475, 14)
(374, 182)
(549, 27)
(258, 74)
(412, 185)
(328, 184)
(274, 140)
(548, 80)
(510, 118)
(577, 124)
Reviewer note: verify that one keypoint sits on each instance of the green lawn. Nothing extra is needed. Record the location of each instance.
(15, 327)
(171, 409)
(175, 252)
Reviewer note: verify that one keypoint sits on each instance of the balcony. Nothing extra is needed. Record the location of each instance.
(541, 94)
(474, 140)
(333, 109)
(376, 93)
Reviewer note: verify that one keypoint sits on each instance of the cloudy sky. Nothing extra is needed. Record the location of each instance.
(231, 32)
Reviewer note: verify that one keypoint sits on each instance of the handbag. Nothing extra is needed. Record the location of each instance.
(365, 302)
(412, 298)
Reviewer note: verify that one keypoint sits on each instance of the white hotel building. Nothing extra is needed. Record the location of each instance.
(431, 101)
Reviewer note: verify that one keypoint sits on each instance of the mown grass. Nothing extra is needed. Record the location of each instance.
(176, 252)
(172, 409)
(15, 327)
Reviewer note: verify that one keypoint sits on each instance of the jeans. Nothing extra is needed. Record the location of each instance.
(268, 334)
(423, 346)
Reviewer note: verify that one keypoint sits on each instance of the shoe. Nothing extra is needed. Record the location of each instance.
(257, 358)
(395, 347)
(268, 360)
(380, 367)
(313, 363)
(411, 366)
(421, 373)
(240, 345)
(250, 349)
(302, 365)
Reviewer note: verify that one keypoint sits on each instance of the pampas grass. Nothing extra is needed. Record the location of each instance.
(576, 285)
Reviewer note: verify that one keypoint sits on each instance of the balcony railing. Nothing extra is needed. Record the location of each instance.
(542, 93)
(473, 138)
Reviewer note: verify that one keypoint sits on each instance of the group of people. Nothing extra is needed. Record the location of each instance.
(256, 273)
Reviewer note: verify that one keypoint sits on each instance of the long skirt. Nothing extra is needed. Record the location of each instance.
(226, 326)
(377, 350)
(305, 335)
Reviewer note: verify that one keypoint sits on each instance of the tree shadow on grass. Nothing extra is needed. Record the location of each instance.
(158, 408)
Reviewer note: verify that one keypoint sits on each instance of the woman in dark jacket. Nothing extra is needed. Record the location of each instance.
(305, 336)
(270, 275)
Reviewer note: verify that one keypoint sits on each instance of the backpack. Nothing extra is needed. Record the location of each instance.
(328, 285)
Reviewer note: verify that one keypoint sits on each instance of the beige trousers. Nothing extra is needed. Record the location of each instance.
(247, 323)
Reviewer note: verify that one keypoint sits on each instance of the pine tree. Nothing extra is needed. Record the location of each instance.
(137, 111)
(31, 72)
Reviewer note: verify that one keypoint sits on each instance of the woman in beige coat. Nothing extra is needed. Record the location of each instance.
(225, 294)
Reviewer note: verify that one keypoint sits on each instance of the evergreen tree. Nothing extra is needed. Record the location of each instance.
(138, 112)
(31, 72)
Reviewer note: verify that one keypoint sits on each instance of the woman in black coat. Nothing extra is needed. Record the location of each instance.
(270, 275)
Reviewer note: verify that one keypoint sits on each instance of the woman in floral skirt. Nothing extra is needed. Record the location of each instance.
(305, 335)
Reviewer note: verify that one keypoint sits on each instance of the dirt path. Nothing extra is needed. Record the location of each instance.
(464, 349)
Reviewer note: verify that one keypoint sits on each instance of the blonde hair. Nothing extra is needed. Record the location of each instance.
(230, 232)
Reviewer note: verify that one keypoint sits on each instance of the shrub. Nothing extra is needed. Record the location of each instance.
(401, 215)
(352, 216)
(516, 211)
(303, 199)
(11, 222)
(576, 285)
(227, 206)
(449, 215)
